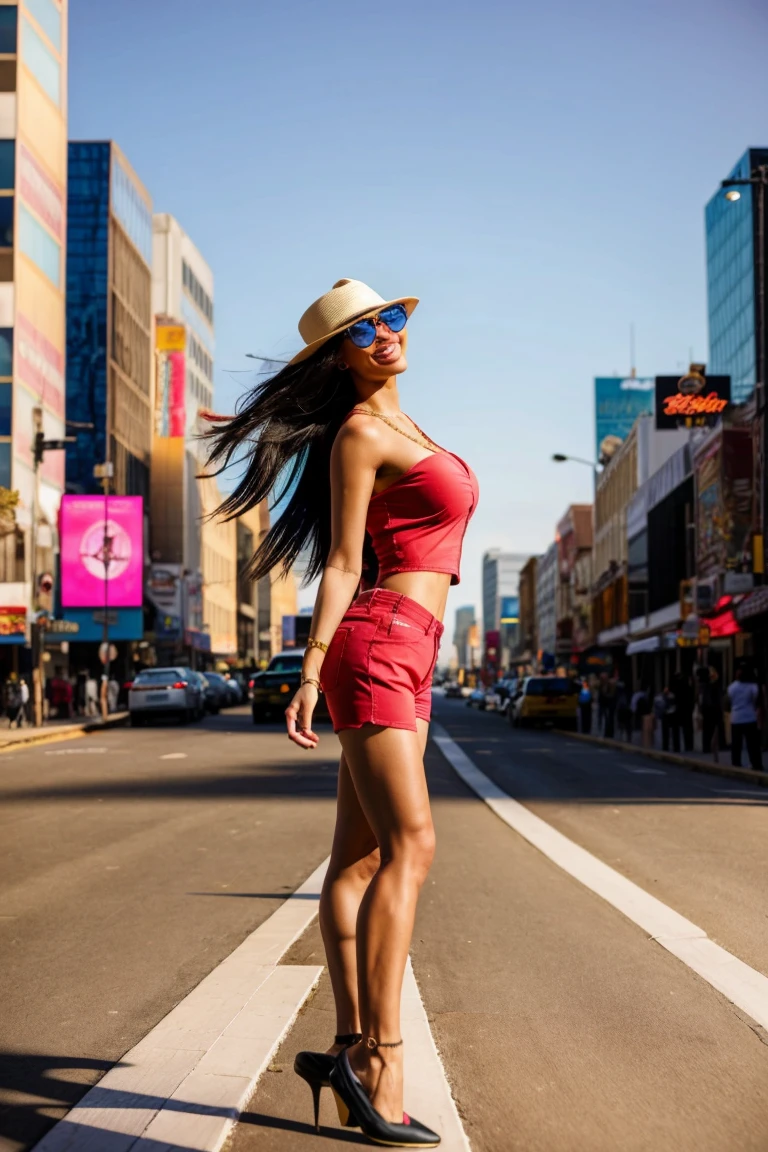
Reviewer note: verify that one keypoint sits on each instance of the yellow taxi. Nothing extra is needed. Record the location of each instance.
(545, 700)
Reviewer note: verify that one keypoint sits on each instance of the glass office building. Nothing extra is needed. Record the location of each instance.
(731, 230)
(109, 319)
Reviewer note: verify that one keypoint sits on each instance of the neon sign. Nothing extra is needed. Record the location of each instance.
(682, 405)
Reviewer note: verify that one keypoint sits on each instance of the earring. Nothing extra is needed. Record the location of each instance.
(342, 366)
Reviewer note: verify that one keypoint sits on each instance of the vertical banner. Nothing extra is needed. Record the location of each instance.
(102, 551)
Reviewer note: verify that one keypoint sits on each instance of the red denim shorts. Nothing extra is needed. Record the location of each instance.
(379, 664)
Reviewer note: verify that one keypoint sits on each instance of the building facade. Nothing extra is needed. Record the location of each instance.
(574, 546)
(501, 576)
(33, 181)
(528, 642)
(731, 237)
(109, 320)
(546, 604)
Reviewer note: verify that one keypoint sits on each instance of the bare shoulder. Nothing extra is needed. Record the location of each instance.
(359, 440)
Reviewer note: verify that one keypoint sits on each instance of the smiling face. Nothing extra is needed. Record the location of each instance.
(384, 358)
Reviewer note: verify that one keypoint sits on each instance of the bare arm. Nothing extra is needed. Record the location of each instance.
(355, 457)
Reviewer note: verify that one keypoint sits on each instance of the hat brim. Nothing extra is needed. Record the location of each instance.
(410, 303)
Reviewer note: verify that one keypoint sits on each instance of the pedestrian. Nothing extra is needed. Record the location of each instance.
(711, 709)
(333, 411)
(24, 690)
(113, 691)
(744, 696)
(13, 702)
(585, 707)
(91, 695)
(685, 699)
(609, 707)
(670, 725)
(640, 706)
(623, 710)
(659, 709)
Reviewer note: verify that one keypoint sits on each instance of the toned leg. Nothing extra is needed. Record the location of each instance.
(387, 768)
(354, 861)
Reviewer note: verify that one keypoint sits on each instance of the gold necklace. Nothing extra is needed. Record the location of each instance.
(387, 420)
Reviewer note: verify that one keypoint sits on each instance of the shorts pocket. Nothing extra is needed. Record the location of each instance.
(399, 630)
(329, 670)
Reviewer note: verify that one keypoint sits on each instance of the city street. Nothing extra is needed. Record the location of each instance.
(133, 863)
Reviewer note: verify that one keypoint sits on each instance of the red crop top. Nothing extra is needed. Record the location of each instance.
(417, 524)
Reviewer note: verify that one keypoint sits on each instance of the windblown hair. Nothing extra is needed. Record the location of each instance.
(288, 424)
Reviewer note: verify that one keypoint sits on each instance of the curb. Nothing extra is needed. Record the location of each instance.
(65, 732)
(712, 769)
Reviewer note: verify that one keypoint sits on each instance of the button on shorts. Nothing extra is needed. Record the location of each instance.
(379, 664)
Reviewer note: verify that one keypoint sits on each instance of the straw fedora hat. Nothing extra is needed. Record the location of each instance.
(347, 301)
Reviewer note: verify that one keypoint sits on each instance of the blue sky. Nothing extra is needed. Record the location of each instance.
(536, 173)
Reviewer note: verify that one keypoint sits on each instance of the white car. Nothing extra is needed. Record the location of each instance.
(165, 692)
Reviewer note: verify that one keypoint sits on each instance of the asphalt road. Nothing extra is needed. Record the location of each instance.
(126, 876)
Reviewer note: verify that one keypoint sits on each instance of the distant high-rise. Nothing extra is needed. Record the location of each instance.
(732, 234)
(465, 618)
(501, 577)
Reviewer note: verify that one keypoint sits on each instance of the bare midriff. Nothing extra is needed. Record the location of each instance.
(430, 589)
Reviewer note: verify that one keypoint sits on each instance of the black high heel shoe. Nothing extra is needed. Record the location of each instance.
(355, 1108)
(315, 1068)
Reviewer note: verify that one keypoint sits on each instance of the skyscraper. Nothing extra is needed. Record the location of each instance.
(109, 319)
(465, 618)
(501, 577)
(731, 234)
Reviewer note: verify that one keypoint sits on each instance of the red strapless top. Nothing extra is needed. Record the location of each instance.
(417, 524)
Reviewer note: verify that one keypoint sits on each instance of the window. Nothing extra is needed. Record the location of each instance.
(48, 17)
(6, 221)
(7, 163)
(6, 353)
(38, 244)
(41, 62)
(5, 465)
(8, 21)
(5, 410)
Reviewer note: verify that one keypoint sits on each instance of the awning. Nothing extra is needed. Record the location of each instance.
(652, 643)
(753, 605)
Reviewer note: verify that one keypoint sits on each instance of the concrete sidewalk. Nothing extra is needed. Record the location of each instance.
(58, 730)
(693, 761)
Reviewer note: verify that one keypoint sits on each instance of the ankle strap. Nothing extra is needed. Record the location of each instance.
(374, 1044)
(348, 1038)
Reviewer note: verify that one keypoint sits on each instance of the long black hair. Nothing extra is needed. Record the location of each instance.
(288, 424)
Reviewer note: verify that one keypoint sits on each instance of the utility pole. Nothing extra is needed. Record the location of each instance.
(37, 628)
(105, 472)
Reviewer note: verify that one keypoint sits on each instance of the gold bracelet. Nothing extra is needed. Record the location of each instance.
(312, 643)
(311, 680)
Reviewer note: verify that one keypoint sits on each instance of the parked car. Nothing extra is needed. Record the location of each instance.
(165, 692)
(209, 695)
(272, 689)
(219, 685)
(476, 699)
(545, 700)
(493, 699)
(452, 689)
(506, 688)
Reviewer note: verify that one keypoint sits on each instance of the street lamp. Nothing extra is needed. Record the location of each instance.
(757, 179)
(560, 458)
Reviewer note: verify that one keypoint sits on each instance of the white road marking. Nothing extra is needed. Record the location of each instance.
(174, 756)
(185, 1084)
(75, 751)
(742, 985)
(644, 771)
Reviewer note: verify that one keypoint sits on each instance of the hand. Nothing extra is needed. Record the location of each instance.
(298, 717)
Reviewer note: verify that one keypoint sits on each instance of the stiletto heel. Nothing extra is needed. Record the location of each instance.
(352, 1100)
(315, 1068)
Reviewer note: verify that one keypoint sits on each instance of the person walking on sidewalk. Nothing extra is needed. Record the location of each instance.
(669, 722)
(382, 510)
(682, 687)
(13, 702)
(744, 696)
(585, 707)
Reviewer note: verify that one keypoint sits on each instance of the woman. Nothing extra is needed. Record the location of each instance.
(396, 507)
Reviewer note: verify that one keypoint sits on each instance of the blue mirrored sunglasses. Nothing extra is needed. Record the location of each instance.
(363, 332)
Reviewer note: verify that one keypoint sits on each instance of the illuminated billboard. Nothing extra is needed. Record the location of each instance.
(102, 551)
(618, 403)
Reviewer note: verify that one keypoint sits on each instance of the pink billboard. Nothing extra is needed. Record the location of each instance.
(102, 553)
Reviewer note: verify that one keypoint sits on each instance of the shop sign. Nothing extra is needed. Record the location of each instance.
(724, 508)
(164, 588)
(13, 624)
(170, 337)
(691, 401)
(704, 634)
